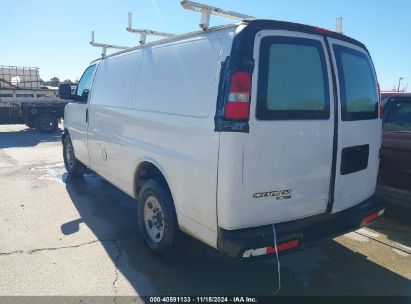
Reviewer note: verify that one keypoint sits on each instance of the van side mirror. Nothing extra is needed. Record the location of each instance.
(65, 91)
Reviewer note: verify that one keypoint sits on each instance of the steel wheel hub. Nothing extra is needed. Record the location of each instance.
(69, 155)
(153, 219)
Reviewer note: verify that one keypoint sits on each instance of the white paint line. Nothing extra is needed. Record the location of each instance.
(405, 247)
(404, 254)
(369, 233)
(356, 237)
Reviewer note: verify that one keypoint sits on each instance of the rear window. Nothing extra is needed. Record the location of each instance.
(358, 85)
(293, 80)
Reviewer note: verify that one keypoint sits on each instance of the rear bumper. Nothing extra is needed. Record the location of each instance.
(235, 243)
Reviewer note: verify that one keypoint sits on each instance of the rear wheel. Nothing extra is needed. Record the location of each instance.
(46, 123)
(157, 219)
(73, 166)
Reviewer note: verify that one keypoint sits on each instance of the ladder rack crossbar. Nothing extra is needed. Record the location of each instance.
(105, 46)
(144, 32)
(207, 10)
(150, 32)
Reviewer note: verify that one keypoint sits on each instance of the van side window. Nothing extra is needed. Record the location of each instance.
(84, 86)
(358, 85)
(293, 80)
(398, 117)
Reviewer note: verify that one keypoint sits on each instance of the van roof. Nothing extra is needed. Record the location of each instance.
(251, 27)
(256, 25)
(170, 39)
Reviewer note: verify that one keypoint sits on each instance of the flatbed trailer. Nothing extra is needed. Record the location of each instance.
(32, 108)
(41, 115)
(24, 101)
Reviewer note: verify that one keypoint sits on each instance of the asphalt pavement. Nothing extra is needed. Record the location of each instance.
(61, 236)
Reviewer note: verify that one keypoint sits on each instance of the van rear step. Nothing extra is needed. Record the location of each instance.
(293, 235)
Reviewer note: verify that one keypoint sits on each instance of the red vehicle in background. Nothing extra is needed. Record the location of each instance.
(395, 166)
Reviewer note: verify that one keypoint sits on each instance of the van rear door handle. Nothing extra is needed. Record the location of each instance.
(87, 115)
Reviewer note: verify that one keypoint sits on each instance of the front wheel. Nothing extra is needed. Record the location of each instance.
(157, 219)
(73, 166)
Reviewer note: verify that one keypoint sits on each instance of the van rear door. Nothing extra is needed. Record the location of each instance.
(359, 126)
(288, 154)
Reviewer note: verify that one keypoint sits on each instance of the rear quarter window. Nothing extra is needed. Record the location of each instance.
(292, 80)
(358, 84)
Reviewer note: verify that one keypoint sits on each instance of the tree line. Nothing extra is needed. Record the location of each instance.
(55, 82)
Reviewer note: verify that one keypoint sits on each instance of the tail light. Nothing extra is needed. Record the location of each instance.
(380, 101)
(238, 103)
(286, 246)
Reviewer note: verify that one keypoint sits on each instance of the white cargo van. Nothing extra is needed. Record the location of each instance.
(228, 133)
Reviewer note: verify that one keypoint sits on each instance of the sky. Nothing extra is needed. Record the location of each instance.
(54, 35)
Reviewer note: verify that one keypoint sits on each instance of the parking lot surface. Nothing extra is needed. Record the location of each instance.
(65, 236)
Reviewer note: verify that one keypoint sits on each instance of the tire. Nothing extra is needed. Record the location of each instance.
(164, 238)
(73, 166)
(46, 123)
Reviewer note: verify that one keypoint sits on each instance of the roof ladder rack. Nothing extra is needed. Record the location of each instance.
(105, 46)
(143, 32)
(207, 10)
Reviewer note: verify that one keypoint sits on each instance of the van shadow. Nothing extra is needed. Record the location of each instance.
(26, 138)
(394, 230)
(396, 223)
(327, 269)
